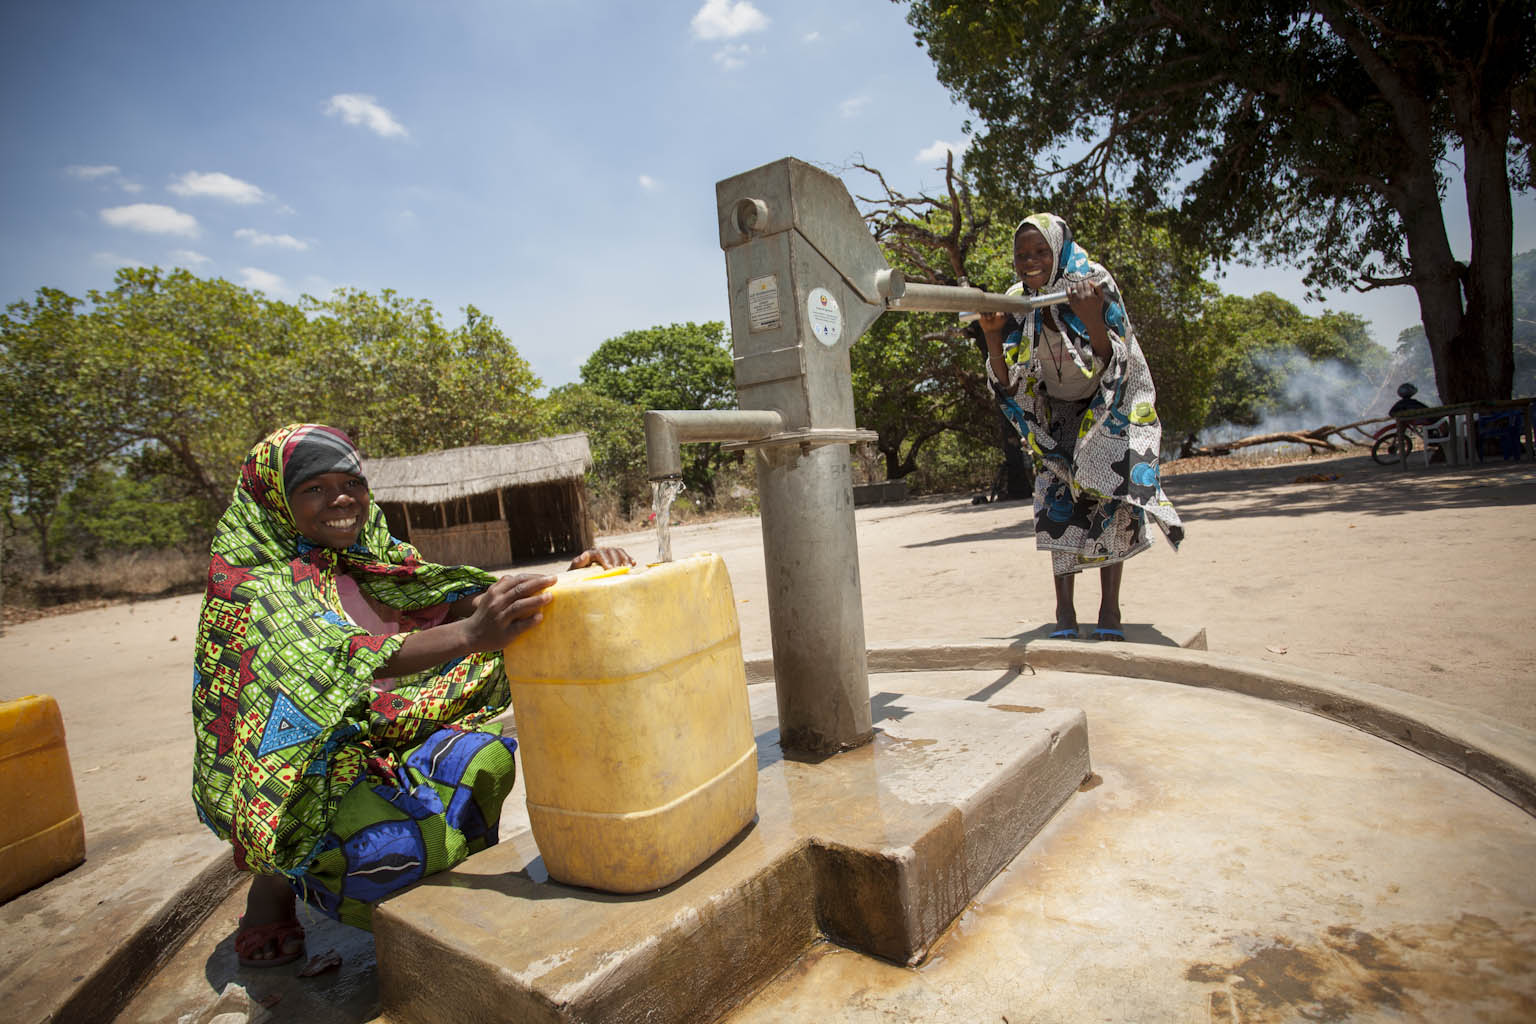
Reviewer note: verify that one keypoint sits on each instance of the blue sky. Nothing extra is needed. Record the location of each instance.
(552, 163)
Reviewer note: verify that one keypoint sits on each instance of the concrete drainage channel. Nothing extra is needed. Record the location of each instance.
(627, 966)
(1499, 757)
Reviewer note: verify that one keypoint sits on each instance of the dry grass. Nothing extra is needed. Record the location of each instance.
(111, 579)
(1254, 459)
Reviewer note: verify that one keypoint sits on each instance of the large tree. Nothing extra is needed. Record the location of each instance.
(58, 423)
(196, 370)
(916, 375)
(386, 369)
(681, 366)
(616, 434)
(1319, 132)
(1275, 363)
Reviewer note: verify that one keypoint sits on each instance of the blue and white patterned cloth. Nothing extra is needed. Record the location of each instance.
(1097, 481)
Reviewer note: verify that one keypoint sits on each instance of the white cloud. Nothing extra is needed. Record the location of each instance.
(262, 238)
(188, 257)
(853, 106)
(131, 186)
(732, 57)
(356, 108)
(722, 19)
(261, 280)
(112, 259)
(89, 172)
(649, 183)
(811, 37)
(153, 218)
(940, 147)
(218, 185)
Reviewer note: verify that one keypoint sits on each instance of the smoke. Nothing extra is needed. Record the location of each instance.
(1303, 395)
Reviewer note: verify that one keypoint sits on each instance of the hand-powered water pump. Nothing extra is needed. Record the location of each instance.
(806, 280)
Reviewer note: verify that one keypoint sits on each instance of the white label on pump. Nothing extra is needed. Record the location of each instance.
(763, 303)
(825, 318)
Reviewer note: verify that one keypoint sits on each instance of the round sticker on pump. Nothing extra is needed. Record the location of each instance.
(825, 318)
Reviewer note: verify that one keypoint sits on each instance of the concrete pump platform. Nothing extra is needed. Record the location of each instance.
(1296, 856)
(877, 848)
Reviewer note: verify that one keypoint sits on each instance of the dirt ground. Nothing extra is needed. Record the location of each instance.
(1422, 580)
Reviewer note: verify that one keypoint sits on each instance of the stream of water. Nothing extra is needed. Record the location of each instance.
(663, 493)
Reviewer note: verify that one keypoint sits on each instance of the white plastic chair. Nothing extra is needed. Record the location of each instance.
(1439, 433)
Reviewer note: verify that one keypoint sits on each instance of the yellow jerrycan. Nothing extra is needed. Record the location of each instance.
(41, 832)
(630, 699)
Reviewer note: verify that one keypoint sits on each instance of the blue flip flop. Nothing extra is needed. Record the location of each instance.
(1066, 634)
(1108, 634)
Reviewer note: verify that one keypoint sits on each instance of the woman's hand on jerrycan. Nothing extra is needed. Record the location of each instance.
(508, 607)
(608, 558)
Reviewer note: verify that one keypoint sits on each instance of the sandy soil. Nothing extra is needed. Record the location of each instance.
(1420, 580)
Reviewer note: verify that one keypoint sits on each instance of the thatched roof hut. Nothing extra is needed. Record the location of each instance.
(489, 505)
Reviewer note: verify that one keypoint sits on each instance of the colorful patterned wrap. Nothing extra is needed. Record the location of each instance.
(286, 719)
(1094, 492)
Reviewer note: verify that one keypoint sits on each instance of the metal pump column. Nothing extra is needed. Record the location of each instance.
(802, 277)
(806, 280)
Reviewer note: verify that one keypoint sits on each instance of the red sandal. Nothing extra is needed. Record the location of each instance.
(252, 940)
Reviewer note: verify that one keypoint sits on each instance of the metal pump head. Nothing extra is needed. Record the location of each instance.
(805, 279)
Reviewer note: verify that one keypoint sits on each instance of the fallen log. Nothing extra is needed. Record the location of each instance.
(1319, 439)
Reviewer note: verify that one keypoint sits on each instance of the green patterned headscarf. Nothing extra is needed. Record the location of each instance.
(286, 716)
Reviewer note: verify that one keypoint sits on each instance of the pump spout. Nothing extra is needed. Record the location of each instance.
(666, 429)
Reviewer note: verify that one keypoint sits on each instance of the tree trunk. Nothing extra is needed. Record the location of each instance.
(1485, 367)
(1018, 474)
(1466, 309)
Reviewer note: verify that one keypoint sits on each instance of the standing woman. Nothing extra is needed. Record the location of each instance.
(1073, 381)
(342, 692)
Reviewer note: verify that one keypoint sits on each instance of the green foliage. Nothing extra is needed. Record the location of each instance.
(198, 370)
(1267, 349)
(918, 377)
(185, 374)
(954, 462)
(388, 372)
(615, 431)
(112, 509)
(1282, 133)
(915, 377)
(682, 366)
(58, 422)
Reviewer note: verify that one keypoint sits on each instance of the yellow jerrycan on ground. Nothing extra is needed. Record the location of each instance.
(41, 832)
(630, 700)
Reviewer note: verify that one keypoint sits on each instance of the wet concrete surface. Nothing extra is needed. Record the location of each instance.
(879, 847)
(1231, 860)
(346, 993)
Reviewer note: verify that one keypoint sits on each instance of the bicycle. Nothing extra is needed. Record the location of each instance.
(1384, 448)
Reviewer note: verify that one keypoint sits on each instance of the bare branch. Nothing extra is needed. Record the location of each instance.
(1367, 283)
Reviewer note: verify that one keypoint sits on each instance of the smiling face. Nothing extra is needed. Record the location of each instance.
(1033, 260)
(330, 508)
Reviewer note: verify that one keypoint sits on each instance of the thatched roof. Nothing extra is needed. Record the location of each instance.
(460, 472)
